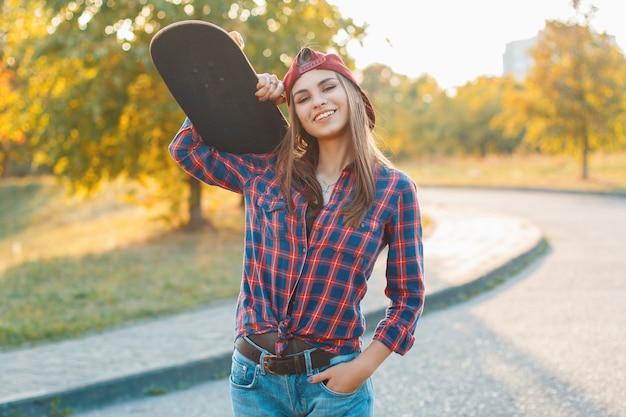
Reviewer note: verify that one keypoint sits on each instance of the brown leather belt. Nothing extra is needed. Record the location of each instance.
(294, 363)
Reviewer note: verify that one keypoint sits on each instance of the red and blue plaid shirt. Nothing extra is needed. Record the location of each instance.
(329, 269)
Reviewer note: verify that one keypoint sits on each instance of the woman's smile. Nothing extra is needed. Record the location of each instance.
(324, 115)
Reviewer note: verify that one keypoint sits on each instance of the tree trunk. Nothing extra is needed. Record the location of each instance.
(584, 173)
(6, 162)
(196, 219)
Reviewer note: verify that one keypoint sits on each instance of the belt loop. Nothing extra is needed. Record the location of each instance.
(264, 353)
(261, 364)
(307, 360)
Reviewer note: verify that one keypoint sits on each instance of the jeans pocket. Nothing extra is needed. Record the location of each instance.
(325, 388)
(243, 372)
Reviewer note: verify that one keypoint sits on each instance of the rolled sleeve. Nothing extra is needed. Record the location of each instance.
(405, 275)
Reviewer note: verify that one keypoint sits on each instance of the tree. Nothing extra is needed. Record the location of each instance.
(572, 100)
(97, 108)
(478, 103)
(9, 134)
(405, 110)
(416, 117)
(14, 116)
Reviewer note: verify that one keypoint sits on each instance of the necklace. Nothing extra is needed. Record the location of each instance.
(325, 187)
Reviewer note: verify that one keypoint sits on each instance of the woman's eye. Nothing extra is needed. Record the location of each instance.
(329, 87)
(302, 99)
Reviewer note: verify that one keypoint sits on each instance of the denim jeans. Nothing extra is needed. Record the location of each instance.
(255, 393)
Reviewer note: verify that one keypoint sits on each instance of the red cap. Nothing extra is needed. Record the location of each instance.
(329, 62)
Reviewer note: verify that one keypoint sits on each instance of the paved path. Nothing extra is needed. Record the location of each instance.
(548, 343)
(467, 244)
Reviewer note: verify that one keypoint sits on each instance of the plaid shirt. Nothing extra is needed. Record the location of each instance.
(329, 269)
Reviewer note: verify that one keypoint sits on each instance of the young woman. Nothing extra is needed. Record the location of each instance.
(319, 210)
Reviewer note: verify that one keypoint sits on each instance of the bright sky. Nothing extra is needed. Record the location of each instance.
(456, 41)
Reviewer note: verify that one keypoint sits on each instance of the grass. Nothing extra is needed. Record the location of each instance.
(70, 266)
(607, 172)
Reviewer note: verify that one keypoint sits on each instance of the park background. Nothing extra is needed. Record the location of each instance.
(98, 227)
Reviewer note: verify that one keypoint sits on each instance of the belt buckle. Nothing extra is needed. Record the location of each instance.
(266, 364)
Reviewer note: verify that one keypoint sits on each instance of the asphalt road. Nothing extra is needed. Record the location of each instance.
(549, 342)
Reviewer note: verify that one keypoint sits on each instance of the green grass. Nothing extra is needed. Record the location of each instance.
(607, 172)
(70, 266)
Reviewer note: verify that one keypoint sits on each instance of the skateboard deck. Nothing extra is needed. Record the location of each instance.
(213, 82)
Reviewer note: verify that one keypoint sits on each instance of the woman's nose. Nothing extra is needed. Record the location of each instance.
(319, 99)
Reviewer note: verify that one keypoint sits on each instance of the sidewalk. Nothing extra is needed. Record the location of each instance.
(466, 252)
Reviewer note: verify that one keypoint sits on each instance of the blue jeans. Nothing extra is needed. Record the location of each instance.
(254, 393)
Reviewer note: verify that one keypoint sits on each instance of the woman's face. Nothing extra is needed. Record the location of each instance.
(321, 104)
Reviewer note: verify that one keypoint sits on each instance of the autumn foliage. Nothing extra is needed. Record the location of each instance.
(80, 98)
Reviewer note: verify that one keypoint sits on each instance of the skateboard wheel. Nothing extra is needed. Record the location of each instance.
(237, 38)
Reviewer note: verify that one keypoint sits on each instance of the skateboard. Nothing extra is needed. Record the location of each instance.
(211, 79)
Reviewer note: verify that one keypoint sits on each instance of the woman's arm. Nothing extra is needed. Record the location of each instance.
(404, 273)
(210, 166)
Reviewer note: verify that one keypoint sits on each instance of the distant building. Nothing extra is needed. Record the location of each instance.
(516, 59)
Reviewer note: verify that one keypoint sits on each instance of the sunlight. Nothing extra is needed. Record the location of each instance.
(455, 41)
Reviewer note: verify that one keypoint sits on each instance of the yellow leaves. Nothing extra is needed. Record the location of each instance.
(10, 110)
(573, 96)
(6, 89)
(62, 164)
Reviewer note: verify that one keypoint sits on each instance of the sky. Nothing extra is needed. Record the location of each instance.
(455, 41)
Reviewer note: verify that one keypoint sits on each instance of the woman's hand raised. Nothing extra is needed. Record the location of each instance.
(269, 87)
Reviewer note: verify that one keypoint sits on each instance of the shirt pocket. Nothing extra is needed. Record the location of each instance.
(273, 216)
(363, 242)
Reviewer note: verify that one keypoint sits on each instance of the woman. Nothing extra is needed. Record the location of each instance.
(319, 210)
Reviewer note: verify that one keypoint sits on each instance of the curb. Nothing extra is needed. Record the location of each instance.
(616, 193)
(460, 293)
(185, 375)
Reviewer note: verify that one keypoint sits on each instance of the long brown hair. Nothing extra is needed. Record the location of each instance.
(298, 155)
